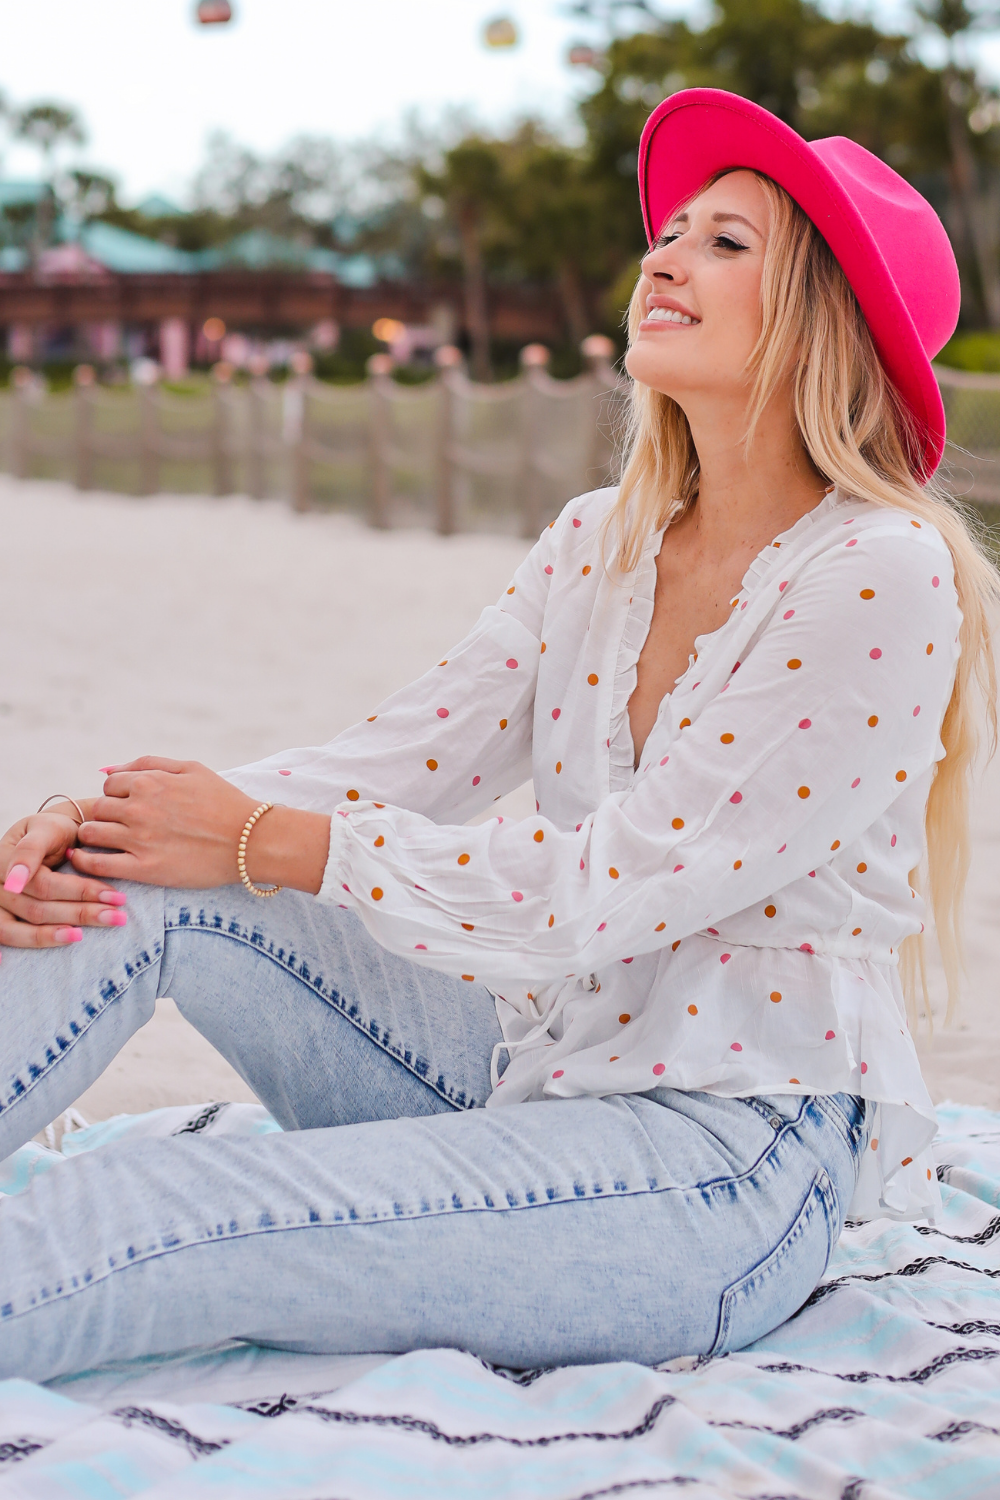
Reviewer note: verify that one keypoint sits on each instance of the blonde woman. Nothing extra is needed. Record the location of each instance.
(742, 685)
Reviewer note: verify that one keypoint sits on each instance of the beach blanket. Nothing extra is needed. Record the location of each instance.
(885, 1385)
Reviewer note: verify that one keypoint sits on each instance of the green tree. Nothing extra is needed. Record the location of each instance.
(471, 184)
(47, 126)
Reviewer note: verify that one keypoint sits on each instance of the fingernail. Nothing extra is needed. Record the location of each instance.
(106, 770)
(69, 934)
(112, 918)
(17, 879)
(112, 898)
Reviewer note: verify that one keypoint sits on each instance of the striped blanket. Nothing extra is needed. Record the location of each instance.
(886, 1385)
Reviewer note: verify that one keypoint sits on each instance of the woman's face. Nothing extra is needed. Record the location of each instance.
(700, 293)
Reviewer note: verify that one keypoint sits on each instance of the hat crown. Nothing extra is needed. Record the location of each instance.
(908, 233)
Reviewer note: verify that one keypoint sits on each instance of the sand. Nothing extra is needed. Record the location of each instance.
(223, 630)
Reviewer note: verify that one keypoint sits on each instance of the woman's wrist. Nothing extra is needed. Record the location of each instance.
(289, 847)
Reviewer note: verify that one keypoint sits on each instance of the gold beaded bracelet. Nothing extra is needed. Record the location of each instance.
(241, 852)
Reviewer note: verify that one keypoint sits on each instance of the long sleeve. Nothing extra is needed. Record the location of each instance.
(833, 714)
(450, 743)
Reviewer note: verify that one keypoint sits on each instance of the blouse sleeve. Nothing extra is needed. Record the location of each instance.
(835, 709)
(450, 743)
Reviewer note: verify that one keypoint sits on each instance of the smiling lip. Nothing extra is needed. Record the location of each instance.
(667, 312)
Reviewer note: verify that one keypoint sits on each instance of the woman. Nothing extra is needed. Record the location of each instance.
(675, 989)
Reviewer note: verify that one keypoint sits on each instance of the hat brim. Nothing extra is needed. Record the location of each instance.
(699, 132)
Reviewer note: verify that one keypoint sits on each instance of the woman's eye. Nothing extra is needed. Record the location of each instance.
(724, 242)
(668, 239)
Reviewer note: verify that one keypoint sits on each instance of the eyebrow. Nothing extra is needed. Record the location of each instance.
(717, 218)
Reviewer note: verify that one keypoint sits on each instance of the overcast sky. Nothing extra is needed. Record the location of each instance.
(151, 84)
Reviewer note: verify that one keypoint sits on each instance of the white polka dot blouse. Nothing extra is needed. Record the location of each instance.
(727, 917)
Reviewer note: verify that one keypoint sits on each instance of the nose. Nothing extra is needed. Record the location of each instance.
(662, 265)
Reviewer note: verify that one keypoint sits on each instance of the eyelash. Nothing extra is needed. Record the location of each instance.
(723, 241)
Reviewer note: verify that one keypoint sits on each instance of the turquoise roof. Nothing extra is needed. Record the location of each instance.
(121, 250)
(14, 192)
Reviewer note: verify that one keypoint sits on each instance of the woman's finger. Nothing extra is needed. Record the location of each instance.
(153, 763)
(14, 934)
(101, 835)
(56, 885)
(63, 913)
(105, 866)
(25, 860)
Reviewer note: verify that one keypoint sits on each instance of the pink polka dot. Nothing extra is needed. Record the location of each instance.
(812, 874)
(853, 542)
(736, 797)
(805, 947)
(713, 930)
(347, 888)
(499, 815)
(556, 712)
(935, 581)
(855, 783)
(548, 567)
(578, 827)
(788, 614)
(782, 586)
(724, 958)
(284, 773)
(421, 946)
(581, 864)
(736, 1046)
(659, 1068)
(626, 960)
(849, 520)
(875, 653)
(577, 521)
(744, 604)
(677, 867)
(476, 780)
(602, 926)
(830, 1036)
(442, 713)
(783, 848)
(864, 1067)
(664, 760)
(558, 1073)
(517, 896)
(805, 723)
(512, 662)
(916, 710)
(892, 842)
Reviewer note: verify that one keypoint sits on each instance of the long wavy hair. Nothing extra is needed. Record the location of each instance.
(860, 438)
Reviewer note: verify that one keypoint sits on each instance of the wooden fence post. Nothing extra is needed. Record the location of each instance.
(20, 422)
(83, 438)
(534, 359)
(257, 436)
(448, 360)
(379, 370)
(599, 352)
(222, 468)
(149, 440)
(296, 428)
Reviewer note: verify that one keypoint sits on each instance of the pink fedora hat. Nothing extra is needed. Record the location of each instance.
(891, 244)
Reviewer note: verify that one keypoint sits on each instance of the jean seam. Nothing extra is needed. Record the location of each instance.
(326, 995)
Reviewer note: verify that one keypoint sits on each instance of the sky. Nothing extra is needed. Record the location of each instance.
(151, 85)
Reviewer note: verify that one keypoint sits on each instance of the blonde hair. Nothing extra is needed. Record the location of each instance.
(860, 438)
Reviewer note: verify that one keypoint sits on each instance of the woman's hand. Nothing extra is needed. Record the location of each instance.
(39, 907)
(175, 823)
(164, 822)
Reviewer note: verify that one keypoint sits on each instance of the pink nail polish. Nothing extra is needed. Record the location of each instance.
(17, 879)
(112, 898)
(69, 934)
(112, 918)
(106, 770)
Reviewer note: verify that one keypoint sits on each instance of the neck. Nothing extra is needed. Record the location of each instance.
(760, 493)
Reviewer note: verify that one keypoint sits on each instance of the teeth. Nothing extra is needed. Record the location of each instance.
(667, 315)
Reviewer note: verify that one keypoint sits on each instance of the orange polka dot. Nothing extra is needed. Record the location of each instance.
(685, 724)
(874, 1142)
(624, 1018)
(377, 893)
(737, 864)
(586, 570)
(378, 804)
(835, 844)
(372, 718)
(675, 945)
(432, 765)
(868, 593)
(803, 792)
(677, 823)
(463, 859)
(443, 663)
(659, 926)
(352, 795)
(542, 652)
(614, 1058)
(855, 932)
(726, 739)
(558, 767)
(613, 873)
(873, 721)
(538, 835)
(900, 775)
(692, 1010)
(916, 524)
(733, 602)
(794, 664)
(593, 679)
(770, 911)
(928, 1174)
(862, 867)
(906, 1161)
(503, 723)
(793, 1080)
(552, 919)
(930, 648)
(469, 977)
(468, 927)
(511, 589)
(379, 842)
(775, 996)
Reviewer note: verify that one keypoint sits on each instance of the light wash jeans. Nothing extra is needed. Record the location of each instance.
(394, 1213)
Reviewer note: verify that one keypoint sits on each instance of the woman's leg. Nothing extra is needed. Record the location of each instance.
(635, 1227)
(324, 1025)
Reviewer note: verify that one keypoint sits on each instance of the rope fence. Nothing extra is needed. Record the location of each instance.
(450, 454)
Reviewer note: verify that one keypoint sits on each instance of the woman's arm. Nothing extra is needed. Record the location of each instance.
(39, 906)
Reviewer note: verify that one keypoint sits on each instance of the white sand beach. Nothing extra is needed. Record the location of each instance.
(223, 630)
